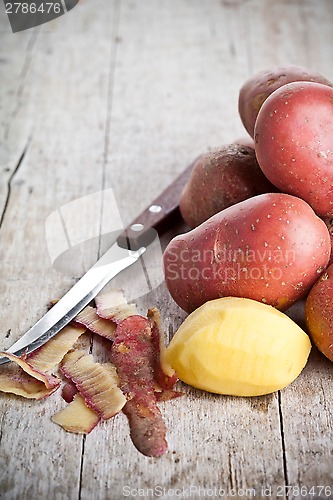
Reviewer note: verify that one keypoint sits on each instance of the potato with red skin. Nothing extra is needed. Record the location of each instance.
(219, 179)
(318, 313)
(271, 248)
(294, 142)
(262, 84)
(329, 223)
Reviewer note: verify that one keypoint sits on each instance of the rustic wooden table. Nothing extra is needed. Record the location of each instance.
(123, 95)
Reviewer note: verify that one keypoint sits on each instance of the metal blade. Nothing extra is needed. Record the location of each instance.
(83, 292)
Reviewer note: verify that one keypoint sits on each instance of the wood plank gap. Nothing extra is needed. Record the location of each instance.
(22, 79)
(9, 187)
(283, 444)
(111, 79)
(112, 65)
(81, 467)
(112, 70)
(1, 425)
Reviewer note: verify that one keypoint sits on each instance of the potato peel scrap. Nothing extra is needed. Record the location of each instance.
(50, 354)
(90, 319)
(77, 417)
(27, 381)
(139, 380)
(165, 376)
(167, 395)
(68, 391)
(133, 354)
(113, 306)
(14, 380)
(97, 383)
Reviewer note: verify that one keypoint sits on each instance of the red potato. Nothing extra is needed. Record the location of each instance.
(329, 223)
(219, 179)
(271, 248)
(257, 88)
(318, 313)
(294, 142)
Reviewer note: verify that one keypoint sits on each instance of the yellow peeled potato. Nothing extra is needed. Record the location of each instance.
(239, 347)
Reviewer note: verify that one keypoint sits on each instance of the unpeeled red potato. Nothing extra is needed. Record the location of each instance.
(257, 88)
(329, 223)
(318, 313)
(219, 179)
(239, 347)
(271, 248)
(294, 142)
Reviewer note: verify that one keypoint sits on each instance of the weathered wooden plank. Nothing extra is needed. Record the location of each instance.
(301, 34)
(162, 118)
(96, 106)
(63, 104)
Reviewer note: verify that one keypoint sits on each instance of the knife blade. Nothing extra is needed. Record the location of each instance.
(158, 217)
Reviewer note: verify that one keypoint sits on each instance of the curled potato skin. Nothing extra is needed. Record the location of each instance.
(258, 87)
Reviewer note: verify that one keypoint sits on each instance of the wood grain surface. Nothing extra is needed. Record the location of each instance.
(122, 95)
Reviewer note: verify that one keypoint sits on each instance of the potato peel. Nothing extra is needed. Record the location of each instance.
(133, 354)
(97, 383)
(24, 380)
(92, 390)
(14, 380)
(90, 319)
(50, 354)
(113, 306)
(49, 381)
(77, 417)
(164, 374)
(68, 391)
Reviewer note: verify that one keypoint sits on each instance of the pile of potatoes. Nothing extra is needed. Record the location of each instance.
(261, 209)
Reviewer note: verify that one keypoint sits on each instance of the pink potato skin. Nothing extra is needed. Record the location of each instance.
(271, 248)
(294, 142)
(318, 313)
(258, 87)
(329, 223)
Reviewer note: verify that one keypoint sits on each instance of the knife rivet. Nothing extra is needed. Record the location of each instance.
(137, 227)
(155, 209)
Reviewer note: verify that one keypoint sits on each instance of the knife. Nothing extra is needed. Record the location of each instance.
(157, 218)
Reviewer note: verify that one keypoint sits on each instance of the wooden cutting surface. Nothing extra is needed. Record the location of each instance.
(123, 95)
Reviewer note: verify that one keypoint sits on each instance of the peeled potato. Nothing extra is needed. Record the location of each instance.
(239, 347)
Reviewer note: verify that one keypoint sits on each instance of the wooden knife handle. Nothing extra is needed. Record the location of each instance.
(160, 216)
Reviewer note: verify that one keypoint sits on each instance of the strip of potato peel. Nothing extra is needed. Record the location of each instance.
(77, 417)
(26, 381)
(90, 319)
(113, 306)
(96, 382)
(164, 374)
(50, 354)
(133, 354)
